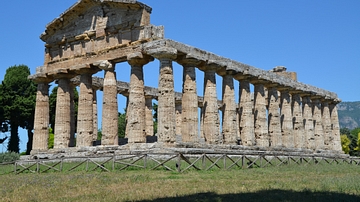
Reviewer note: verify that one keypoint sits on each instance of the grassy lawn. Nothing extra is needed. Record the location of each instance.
(284, 183)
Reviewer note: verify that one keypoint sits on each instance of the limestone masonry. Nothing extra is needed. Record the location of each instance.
(95, 35)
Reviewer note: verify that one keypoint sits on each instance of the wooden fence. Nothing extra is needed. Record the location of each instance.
(176, 162)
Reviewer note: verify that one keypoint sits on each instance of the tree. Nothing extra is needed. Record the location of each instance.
(18, 96)
(345, 143)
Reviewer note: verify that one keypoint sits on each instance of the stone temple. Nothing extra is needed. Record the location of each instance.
(274, 110)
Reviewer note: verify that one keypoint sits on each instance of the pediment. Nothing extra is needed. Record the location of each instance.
(88, 18)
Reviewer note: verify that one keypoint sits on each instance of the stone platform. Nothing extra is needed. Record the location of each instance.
(183, 148)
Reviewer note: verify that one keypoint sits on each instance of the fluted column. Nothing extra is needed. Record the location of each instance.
(149, 122)
(110, 105)
(309, 123)
(166, 98)
(274, 118)
(286, 120)
(335, 127)
(210, 109)
(135, 125)
(41, 119)
(63, 113)
(95, 116)
(85, 125)
(318, 127)
(326, 122)
(229, 124)
(261, 126)
(178, 117)
(299, 136)
(246, 116)
(189, 126)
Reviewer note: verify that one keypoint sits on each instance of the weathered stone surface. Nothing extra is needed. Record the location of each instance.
(274, 118)
(110, 110)
(318, 128)
(166, 102)
(149, 123)
(326, 122)
(63, 116)
(178, 117)
(41, 122)
(260, 118)
(85, 125)
(72, 116)
(189, 126)
(229, 123)
(309, 123)
(286, 120)
(299, 136)
(246, 124)
(335, 128)
(210, 110)
(135, 125)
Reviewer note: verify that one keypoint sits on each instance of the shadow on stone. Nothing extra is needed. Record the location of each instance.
(264, 195)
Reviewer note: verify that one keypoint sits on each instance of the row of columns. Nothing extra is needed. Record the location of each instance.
(272, 117)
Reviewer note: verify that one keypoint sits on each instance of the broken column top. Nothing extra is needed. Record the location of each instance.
(281, 70)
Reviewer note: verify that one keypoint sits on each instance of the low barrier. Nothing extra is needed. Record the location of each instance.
(175, 162)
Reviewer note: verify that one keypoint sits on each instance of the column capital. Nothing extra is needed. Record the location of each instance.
(138, 58)
(104, 65)
(188, 61)
(163, 53)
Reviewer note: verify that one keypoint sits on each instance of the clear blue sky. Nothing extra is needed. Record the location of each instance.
(317, 39)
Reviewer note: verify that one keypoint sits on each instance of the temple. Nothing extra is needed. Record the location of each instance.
(274, 110)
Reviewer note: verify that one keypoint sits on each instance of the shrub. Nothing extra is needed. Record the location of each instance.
(9, 157)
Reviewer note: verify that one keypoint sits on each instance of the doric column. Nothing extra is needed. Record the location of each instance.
(63, 114)
(189, 126)
(166, 98)
(326, 122)
(318, 127)
(246, 115)
(299, 136)
(261, 126)
(41, 119)
(135, 125)
(210, 109)
(110, 104)
(85, 125)
(178, 117)
(95, 116)
(274, 118)
(72, 116)
(149, 122)
(229, 124)
(309, 123)
(335, 126)
(286, 120)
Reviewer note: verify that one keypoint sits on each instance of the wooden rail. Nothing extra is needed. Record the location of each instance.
(175, 162)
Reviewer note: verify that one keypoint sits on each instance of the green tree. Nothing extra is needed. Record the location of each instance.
(18, 100)
(121, 124)
(155, 117)
(345, 143)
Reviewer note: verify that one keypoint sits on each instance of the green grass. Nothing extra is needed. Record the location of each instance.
(285, 183)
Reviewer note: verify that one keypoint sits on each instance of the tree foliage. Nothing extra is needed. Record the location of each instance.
(345, 143)
(354, 142)
(18, 95)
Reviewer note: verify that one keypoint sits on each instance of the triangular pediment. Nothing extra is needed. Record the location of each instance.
(95, 17)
